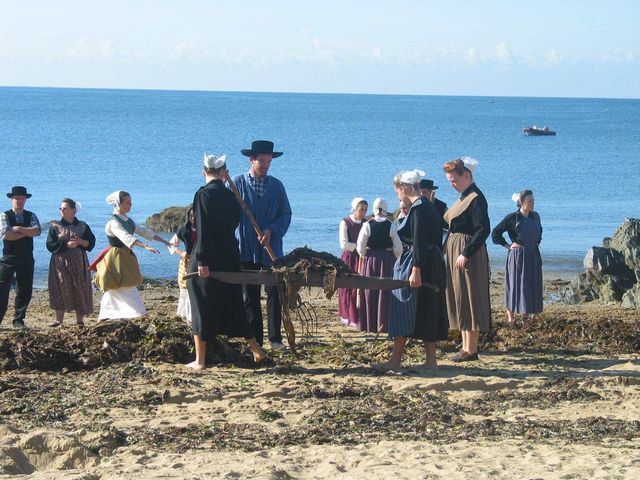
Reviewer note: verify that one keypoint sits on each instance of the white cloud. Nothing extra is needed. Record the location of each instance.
(323, 55)
(470, 56)
(554, 57)
(503, 53)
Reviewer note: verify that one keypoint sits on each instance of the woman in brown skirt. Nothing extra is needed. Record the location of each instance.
(69, 240)
(468, 301)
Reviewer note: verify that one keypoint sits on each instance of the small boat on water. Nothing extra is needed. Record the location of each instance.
(537, 131)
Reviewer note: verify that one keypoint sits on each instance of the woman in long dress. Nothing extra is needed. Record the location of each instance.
(187, 235)
(217, 307)
(117, 270)
(523, 277)
(348, 234)
(378, 246)
(468, 300)
(417, 311)
(69, 240)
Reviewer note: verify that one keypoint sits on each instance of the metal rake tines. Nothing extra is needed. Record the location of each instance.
(306, 314)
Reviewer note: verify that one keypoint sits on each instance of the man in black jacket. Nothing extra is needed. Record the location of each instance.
(428, 191)
(17, 229)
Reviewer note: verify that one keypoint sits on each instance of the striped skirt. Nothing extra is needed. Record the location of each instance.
(419, 312)
(468, 299)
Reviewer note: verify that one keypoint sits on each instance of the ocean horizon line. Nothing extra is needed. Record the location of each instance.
(256, 92)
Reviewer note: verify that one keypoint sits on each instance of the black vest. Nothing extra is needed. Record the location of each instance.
(22, 248)
(128, 225)
(380, 238)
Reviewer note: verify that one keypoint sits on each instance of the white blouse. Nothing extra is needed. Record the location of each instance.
(365, 233)
(345, 244)
(113, 228)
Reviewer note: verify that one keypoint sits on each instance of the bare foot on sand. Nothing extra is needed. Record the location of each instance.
(259, 355)
(430, 365)
(195, 365)
(386, 366)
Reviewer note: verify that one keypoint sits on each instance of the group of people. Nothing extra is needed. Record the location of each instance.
(448, 282)
(210, 244)
(229, 230)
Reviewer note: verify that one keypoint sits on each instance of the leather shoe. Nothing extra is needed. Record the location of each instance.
(466, 357)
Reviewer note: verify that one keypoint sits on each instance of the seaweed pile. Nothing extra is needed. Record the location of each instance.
(550, 332)
(304, 261)
(74, 348)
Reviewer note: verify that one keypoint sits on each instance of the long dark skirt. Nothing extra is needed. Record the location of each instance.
(523, 280)
(347, 297)
(374, 304)
(217, 308)
(419, 312)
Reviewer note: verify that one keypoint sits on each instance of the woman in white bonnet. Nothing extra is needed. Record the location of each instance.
(217, 308)
(417, 311)
(378, 246)
(523, 272)
(117, 270)
(348, 234)
(468, 299)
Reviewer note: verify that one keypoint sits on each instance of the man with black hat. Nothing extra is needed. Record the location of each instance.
(267, 199)
(17, 229)
(428, 191)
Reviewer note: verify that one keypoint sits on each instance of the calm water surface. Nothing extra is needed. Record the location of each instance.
(87, 143)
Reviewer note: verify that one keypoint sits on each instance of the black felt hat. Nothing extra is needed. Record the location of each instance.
(18, 191)
(427, 184)
(258, 147)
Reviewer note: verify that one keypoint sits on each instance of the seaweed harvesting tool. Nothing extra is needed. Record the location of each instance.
(289, 282)
(312, 279)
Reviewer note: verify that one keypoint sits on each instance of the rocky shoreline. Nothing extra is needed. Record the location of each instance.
(612, 271)
(168, 220)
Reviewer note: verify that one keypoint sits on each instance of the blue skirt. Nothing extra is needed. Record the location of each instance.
(419, 312)
(404, 301)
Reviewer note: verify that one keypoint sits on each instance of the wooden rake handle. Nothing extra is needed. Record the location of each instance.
(249, 215)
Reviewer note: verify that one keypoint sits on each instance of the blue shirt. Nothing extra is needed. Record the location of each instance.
(271, 211)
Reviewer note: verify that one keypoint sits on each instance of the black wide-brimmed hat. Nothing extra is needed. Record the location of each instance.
(18, 191)
(424, 183)
(258, 147)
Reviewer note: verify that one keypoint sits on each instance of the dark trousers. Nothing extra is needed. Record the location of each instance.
(251, 297)
(23, 270)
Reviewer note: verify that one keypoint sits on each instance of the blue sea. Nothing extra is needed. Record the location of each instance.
(86, 143)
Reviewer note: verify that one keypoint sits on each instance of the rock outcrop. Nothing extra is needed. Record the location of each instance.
(611, 272)
(168, 220)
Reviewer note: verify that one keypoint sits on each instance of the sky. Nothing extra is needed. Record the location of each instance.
(561, 48)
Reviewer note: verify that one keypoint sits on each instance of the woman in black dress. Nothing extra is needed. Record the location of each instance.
(216, 307)
(417, 311)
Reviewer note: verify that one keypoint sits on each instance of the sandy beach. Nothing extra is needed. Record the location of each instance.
(555, 399)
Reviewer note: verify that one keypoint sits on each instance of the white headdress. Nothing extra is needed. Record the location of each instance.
(114, 200)
(78, 206)
(470, 162)
(212, 161)
(411, 177)
(355, 202)
(380, 204)
(515, 197)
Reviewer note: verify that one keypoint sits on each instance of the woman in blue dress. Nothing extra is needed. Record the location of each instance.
(523, 274)
(417, 311)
